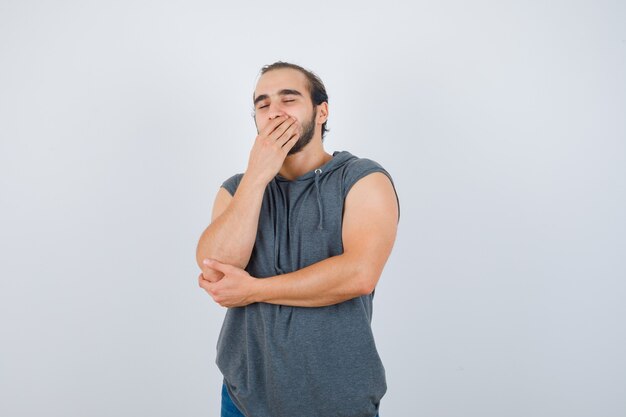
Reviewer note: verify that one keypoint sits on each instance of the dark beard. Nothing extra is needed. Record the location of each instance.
(308, 130)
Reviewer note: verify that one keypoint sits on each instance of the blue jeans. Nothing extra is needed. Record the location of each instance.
(229, 409)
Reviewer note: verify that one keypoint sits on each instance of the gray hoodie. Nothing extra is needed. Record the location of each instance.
(283, 361)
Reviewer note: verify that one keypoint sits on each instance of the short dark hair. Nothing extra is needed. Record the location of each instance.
(315, 85)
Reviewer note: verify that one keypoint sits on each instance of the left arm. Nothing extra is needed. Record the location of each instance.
(369, 229)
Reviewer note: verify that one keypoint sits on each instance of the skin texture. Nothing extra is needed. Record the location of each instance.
(370, 212)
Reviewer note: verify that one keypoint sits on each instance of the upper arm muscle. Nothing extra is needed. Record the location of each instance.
(370, 223)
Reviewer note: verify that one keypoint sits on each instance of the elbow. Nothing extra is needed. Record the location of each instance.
(202, 249)
(203, 253)
(365, 276)
(206, 250)
(367, 283)
(366, 289)
(200, 256)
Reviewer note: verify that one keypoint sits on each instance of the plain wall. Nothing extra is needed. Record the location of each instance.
(502, 123)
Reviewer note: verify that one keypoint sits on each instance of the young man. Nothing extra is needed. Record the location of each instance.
(295, 249)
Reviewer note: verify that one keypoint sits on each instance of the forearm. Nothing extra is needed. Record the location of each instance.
(231, 236)
(331, 281)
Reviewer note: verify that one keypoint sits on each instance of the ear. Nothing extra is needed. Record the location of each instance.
(322, 113)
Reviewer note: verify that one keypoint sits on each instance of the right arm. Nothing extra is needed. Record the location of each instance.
(231, 235)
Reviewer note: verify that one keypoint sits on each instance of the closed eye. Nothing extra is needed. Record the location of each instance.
(284, 101)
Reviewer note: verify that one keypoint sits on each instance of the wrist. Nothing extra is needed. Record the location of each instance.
(255, 180)
(259, 290)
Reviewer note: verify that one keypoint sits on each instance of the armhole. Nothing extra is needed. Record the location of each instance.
(232, 193)
(232, 183)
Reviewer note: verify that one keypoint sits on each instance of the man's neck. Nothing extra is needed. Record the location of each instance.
(310, 158)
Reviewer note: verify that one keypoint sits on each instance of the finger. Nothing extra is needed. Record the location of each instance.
(212, 275)
(280, 130)
(271, 126)
(202, 282)
(290, 144)
(289, 134)
(208, 286)
(218, 266)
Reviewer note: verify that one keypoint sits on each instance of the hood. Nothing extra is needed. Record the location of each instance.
(340, 158)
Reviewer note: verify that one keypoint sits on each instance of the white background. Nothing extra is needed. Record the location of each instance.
(502, 123)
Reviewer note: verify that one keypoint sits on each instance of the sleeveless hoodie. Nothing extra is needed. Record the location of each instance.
(284, 361)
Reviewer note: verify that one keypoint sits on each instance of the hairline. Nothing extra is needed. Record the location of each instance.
(309, 84)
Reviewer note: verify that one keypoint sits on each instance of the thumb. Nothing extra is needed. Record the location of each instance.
(213, 264)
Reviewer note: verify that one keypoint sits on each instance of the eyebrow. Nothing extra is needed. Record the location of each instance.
(283, 92)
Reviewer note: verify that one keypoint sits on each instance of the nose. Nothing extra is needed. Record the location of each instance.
(275, 110)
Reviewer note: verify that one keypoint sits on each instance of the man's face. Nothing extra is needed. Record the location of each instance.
(284, 92)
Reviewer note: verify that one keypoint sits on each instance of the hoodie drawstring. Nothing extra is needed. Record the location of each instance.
(318, 172)
(276, 249)
(320, 226)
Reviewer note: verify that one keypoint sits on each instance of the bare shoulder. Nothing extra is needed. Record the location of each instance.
(370, 224)
(373, 193)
